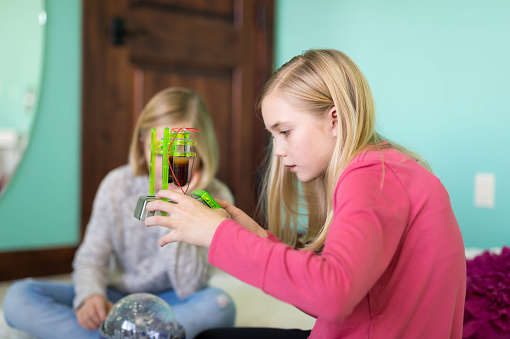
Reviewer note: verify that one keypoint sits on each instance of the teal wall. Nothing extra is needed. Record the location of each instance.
(40, 207)
(439, 71)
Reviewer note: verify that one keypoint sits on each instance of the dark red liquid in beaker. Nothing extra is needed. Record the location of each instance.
(180, 166)
(170, 175)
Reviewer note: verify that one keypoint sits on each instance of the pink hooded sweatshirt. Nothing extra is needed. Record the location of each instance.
(393, 264)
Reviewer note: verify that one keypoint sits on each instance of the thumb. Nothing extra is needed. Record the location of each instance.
(223, 203)
(231, 209)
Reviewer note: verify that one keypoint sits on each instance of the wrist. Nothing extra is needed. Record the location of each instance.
(215, 234)
(263, 233)
(213, 230)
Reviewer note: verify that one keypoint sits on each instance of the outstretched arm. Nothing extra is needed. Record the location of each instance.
(365, 231)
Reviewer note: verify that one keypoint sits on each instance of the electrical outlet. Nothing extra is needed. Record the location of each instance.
(485, 186)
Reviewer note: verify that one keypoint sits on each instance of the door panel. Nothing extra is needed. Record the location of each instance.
(133, 49)
(183, 38)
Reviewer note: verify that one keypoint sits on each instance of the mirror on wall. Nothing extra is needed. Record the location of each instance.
(22, 27)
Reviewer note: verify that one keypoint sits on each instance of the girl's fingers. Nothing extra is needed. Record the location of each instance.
(160, 205)
(100, 310)
(171, 195)
(223, 203)
(169, 238)
(93, 319)
(188, 219)
(158, 220)
(167, 206)
(231, 209)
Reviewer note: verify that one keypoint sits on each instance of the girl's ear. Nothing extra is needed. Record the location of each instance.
(332, 118)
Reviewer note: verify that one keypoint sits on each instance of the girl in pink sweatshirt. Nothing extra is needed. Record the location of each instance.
(382, 255)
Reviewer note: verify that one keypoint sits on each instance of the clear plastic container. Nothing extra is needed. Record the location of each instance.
(141, 316)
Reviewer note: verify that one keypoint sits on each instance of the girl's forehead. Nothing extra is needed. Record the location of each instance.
(274, 106)
(277, 110)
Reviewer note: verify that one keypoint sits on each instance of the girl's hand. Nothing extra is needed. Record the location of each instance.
(190, 221)
(93, 311)
(242, 218)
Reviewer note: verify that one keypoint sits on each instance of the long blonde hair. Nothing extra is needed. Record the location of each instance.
(171, 105)
(319, 80)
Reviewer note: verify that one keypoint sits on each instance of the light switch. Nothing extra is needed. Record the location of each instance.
(485, 186)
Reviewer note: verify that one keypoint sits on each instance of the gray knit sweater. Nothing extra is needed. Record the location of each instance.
(119, 250)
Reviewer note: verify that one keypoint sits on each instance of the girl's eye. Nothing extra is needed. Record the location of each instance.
(285, 133)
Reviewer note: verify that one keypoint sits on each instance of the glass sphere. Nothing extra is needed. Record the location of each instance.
(141, 316)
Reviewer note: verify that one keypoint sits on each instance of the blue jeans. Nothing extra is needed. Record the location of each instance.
(44, 309)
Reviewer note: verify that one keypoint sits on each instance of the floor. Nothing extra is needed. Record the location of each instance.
(254, 307)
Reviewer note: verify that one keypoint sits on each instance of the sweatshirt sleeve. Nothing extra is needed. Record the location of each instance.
(370, 217)
(91, 261)
(189, 268)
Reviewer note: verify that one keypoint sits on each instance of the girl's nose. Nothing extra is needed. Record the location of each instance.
(279, 152)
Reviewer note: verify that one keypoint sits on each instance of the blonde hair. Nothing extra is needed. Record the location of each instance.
(317, 81)
(171, 105)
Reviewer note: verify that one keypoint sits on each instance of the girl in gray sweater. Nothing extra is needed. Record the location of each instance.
(119, 255)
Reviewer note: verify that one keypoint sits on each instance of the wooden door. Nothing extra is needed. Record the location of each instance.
(133, 49)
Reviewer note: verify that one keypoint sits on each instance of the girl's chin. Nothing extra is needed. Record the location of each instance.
(304, 179)
(300, 178)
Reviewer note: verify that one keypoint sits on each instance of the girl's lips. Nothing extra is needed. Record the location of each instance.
(292, 168)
